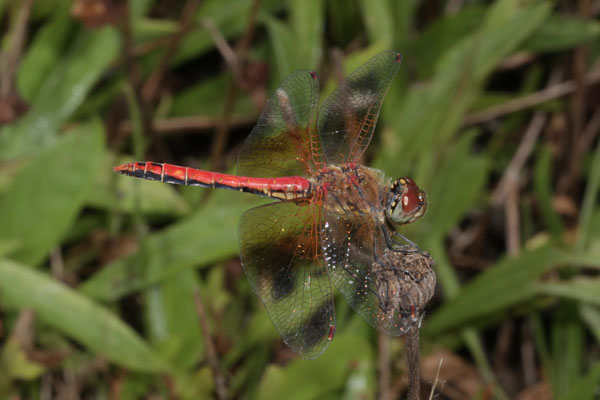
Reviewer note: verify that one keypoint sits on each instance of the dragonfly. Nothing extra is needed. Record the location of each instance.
(335, 222)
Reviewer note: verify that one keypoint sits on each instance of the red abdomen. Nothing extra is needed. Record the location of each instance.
(285, 188)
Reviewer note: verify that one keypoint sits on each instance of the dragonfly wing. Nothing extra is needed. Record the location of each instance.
(280, 253)
(348, 116)
(284, 141)
(387, 288)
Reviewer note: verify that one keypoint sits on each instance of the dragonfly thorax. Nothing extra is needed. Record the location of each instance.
(351, 188)
(406, 202)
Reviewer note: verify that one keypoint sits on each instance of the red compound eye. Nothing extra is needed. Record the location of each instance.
(408, 202)
(411, 199)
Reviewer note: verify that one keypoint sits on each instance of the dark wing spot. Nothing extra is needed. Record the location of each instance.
(317, 326)
(283, 283)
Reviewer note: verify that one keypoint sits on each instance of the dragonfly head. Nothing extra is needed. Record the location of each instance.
(406, 203)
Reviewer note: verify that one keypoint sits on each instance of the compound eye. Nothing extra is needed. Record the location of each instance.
(411, 199)
(410, 204)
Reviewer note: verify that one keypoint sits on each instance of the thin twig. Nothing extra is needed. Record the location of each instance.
(578, 98)
(128, 55)
(145, 113)
(513, 223)
(518, 161)
(211, 352)
(10, 60)
(453, 6)
(550, 93)
(222, 136)
(337, 62)
(244, 45)
(11, 103)
(150, 88)
(142, 49)
(517, 60)
(524, 150)
(90, 370)
(590, 132)
(57, 265)
(116, 385)
(437, 379)
(241, 50)
(502, 349)
(227, 52)
(167, 126)
(132, 73)
(234, 64)
(23, 329)
(46, 386)
(567, 179)
(528, 356)
(383, 360)
(414, 367)
(595, 8)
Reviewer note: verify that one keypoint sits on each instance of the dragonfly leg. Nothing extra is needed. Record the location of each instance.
(412, 246)
(350, 273)
(393, 239)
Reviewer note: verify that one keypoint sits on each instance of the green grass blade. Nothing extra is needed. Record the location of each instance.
(172, 321)
(43, 53)
(568, 346)
(561, 32)
(63, 90)
(307, 20)
(591, 316)
(378, 19)
(430, 116)
(543, 190)
(586, 387)
(282, 41)
(306, 379)
(203, 238)
(230, 21)
(500, 287)
(46, 195)
(76, 316)
(442, 34)
(589, 202)
(582, 289)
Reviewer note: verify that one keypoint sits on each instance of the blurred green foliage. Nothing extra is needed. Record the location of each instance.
(111, 265)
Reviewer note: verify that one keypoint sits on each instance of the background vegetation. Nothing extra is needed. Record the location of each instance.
(116, 288)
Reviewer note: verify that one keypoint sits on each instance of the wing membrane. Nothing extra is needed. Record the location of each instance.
(348, 116)
(284, 141)
(280, 253)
